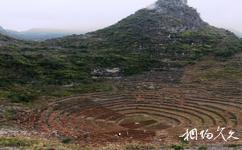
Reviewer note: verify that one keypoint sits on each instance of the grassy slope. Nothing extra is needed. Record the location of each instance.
(28, 72)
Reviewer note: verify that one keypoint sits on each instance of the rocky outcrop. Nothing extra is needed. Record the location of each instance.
(177, 3)
(153, 24)
(176, 16)
(106, 73)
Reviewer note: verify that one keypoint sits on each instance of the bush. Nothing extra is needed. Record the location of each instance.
(14, 142)
(202, 147)
(66, 140)
(177, 147)
(21, 96)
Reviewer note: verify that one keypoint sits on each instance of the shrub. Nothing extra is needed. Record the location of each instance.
(177, 147)
(21, 96)
(14, 142)
(202, 147)
(66, 140)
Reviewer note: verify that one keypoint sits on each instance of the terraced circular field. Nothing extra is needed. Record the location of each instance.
(146, 115)
(154, 107)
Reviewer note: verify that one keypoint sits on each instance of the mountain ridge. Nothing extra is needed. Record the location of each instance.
(36, 34)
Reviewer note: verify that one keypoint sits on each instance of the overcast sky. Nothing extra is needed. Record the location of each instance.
(87, 15)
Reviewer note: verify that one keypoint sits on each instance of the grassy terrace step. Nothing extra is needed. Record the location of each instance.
(213, 111)
(50, 122)
(176, 120)
(100, 100)
(210, 95)
(100, 111)
(183, 120)
(78, 104)
(180, 106)
(159, 113)
(216, 110)
(236, 105)
(171, 112)
(125, 103)
(203, 113)
(83, 103)
(162, 109)
(225, 108)
(166, 106)
(112, 116)
(222, 91)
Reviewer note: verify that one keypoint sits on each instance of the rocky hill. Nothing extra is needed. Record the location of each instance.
(168, 34)
(166, 27)
(6, 40)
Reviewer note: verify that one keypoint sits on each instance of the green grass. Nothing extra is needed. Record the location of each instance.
(27, 143)
(177, 147)
(203, 147)
(34, 143)
(16, 142)
(226, 73)
(31, 143)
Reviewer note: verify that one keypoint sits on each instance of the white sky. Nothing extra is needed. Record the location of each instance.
(87, 15)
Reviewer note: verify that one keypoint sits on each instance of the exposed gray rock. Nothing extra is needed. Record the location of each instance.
(176, 16)
(106, 72)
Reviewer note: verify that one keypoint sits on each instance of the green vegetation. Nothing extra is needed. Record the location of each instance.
(26, 143)
(44, 70)
(145, 40)
(211, 40)
(15, 142)
(203, 147)
(177, 147)
(234, 145)
(230, 71)
(66, 140)
(31, 143)
(33, 72)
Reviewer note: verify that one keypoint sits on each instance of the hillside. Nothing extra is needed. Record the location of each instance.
(6, 40)
(168, 34)
(157, 29)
